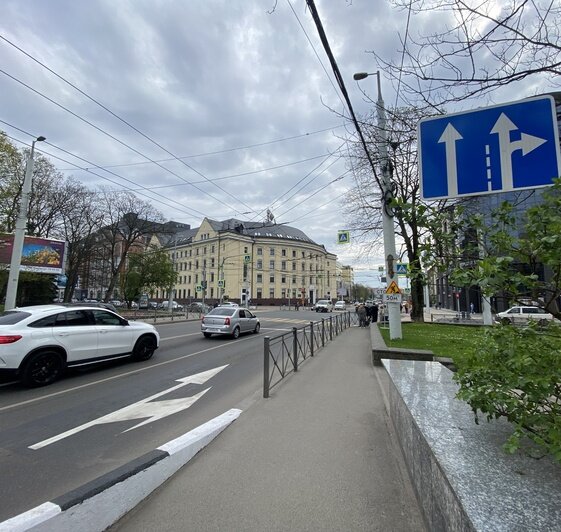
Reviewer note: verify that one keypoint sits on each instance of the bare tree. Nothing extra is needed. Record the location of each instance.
(484, 46)
(129, 223)
(363, 203)
(81, 221)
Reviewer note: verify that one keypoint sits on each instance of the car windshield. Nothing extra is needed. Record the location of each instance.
(323, 302)
(222, 311)
(9, 317)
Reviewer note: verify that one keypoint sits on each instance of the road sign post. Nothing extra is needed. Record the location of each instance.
(493, 149)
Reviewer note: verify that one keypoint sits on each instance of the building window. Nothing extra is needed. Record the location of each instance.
(283, 279)
(259, 277)
(259, 293)
(293, 279)
(303, 266)
(283, 293)
(189, 280)
(212, 248)
(271, 264)
(196, 278)
(283, 265)
(272, 278)
(212, 262)
(245, 249)
(204, 250)
(259, 251)
(293, 253)
(271, 292)
(197, 264)
(197, 251)
(212, 277)
(303, 254)
(283, 252)
(259, 264)
(293, 266)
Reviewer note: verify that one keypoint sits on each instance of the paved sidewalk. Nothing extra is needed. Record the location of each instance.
(318, 455)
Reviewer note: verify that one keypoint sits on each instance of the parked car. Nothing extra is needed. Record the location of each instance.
(197, 306)
(228, 304)
(165, 305)
(323, 305)
(340, 305)
(522, 315)
(116, 303)
(229, 320)
(38, 342)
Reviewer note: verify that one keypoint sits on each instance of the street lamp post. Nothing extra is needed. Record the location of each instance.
(19, 233)
(394, 313)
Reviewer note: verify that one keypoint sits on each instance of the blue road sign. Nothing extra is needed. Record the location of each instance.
(401, 268)
(493, 149)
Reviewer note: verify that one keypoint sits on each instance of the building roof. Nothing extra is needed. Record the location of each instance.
(251, 229)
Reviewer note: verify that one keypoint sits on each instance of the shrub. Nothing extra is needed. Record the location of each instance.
(515, 373)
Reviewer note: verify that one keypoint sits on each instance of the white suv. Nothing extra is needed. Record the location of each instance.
(522, 315)
(323, 305)
(37, 343)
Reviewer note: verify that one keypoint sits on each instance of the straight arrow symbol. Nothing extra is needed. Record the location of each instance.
(144, 408)
(450, 136)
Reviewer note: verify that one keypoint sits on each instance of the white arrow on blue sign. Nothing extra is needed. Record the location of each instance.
(493, 149)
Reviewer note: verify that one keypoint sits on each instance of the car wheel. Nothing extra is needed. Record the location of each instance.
(257, 328)
(543, 322)
(506, 321)
(144, 348)
(236, 333)
(42, 368)
(207, 335)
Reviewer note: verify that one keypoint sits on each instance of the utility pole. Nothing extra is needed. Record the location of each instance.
(19, 234)
(394, 312)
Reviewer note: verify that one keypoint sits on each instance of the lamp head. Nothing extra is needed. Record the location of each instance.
(360, 75)
(41, 139)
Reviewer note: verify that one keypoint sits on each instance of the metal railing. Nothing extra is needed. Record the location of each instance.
(282, 354)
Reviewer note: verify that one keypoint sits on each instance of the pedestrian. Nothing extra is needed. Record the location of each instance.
(361, 315)
(471, 307)
(296, 305)
(374, 313)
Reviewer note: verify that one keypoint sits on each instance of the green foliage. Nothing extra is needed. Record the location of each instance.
(146, 272)
(514, 372)
(33, 288)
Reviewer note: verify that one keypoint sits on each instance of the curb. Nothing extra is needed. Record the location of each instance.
(98, 504)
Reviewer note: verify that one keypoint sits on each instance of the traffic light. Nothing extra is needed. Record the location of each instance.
(203, 285)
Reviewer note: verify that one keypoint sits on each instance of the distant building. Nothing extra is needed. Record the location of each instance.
(261, 263)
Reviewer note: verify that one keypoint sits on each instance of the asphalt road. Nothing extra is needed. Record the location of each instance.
(56, 438)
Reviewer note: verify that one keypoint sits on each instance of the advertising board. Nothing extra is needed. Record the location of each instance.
(41, 255)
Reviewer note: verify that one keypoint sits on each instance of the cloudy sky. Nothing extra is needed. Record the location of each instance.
(233, 101)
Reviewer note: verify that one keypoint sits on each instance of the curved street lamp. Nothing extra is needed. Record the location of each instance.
(19, 233)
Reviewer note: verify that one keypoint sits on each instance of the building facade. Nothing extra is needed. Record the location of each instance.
(258, 263)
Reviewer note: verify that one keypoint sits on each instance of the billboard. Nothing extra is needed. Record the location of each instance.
(41, 255)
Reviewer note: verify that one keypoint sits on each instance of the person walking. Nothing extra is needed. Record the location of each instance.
(374, 313)
(361, 315)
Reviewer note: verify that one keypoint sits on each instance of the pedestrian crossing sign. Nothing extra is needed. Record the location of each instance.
(343, 237)
(393, 288)
(401, 268)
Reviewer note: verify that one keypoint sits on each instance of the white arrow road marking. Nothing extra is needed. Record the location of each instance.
(527, 143)
(144, 409)
(450, 136)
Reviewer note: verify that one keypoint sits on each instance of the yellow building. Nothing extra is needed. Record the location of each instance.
(345, 282)
(263, 262)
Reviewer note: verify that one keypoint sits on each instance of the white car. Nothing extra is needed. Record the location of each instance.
(522, 315)
(340, 305)
(323, 305)
(37, 343)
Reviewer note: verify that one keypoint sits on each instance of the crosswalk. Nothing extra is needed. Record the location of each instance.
(285, 320)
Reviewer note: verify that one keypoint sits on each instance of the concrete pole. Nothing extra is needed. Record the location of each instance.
(394, 309)
(19, 234)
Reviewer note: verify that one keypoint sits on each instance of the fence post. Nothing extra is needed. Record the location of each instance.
(330, 328)
(266, 367)
(322, 332)
(312, 338)
(295, 347)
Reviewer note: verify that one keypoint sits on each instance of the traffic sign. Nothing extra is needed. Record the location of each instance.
(199, 288)
(343, 237)
(392, 298)
(401, 268)
(247, 259)
(493, 149)
(393, 288)
(221, 283)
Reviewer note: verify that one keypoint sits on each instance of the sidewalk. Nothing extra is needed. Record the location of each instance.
(318, 455)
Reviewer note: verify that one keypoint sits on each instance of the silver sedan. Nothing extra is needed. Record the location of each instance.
(231, 321)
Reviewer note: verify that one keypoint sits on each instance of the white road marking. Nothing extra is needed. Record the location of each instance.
(144, 408)
(108, 379)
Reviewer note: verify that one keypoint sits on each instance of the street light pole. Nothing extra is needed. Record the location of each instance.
(19, 233)
(394, 312)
